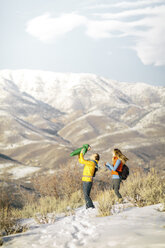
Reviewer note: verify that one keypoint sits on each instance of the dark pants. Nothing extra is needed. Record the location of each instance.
(116, 186)
(86, 190)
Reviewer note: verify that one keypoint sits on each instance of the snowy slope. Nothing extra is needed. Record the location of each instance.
(69, 91)
(129, 227)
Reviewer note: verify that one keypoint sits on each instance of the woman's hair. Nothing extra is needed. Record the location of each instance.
(120, 155)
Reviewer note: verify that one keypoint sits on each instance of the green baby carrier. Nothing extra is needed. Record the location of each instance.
(78, 150)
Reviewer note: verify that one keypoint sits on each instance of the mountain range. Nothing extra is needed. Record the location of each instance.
(45, 115)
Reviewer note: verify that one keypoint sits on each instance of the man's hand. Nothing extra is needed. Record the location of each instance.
(104, 164)
(82, 150)
(89, 148)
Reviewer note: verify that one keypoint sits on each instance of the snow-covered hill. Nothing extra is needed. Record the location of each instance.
(44, 115)
(69, 92)
(129, 227)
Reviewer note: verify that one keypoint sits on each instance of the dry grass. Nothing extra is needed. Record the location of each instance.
(163, 206)
(106, 200)
(48, 204)
(1, 241)
(56, 193)
(140, 188)
(39, 210)
(8, 223)
(101, 182)
(62, 193)
(9, 199)
(63, 182)
(144, 189)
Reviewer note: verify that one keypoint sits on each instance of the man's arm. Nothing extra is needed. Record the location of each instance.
(82, 160)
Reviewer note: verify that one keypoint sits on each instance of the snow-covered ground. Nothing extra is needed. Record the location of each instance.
(130, 227)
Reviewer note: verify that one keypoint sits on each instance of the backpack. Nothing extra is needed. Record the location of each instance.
(124, 173)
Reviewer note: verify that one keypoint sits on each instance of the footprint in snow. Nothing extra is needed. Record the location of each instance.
(82, 230)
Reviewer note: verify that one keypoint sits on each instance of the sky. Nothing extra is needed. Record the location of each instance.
(118, 39)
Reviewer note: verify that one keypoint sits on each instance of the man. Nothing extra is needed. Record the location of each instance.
(90, 168)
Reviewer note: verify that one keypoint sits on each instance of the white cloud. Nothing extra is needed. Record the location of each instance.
(150, 45)
(136, 4)
(105, 29)
(48, 29)
(129, 13)
(148, 31)
(125, 4)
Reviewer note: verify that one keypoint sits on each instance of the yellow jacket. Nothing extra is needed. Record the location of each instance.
(89, 168)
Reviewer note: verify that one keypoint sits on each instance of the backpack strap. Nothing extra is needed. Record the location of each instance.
(96, 164)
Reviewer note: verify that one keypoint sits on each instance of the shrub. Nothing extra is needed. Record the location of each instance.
(56, 193)
(63, 182)
(102, 182)
(1, 242)
(76, 200)
(8, 201)
(106, 200)
(44, 218)
(49, 204)
(8, 224)
(144, 189)
(62, 192)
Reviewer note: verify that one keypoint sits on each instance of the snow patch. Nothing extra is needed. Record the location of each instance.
(4, 166)
(132, 227)
(22, 171)
(16, 145)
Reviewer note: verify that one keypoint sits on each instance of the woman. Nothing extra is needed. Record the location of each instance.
(118, 161)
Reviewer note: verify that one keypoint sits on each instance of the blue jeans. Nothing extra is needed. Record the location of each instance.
(86, 190)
